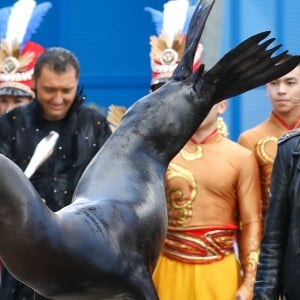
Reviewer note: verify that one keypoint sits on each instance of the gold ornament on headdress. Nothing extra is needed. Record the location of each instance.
(165, 58)
(159, 45)
(11, 59)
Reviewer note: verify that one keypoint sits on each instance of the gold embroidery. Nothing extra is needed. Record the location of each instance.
(179, 203)
(266, 149)
(249, 265)
(197, 154)
(266, 156)
(251, 261)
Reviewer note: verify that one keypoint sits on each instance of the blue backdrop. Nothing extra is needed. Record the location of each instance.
(242, 19)
(111, 41)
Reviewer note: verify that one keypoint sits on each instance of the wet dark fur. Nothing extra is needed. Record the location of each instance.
(106, 243)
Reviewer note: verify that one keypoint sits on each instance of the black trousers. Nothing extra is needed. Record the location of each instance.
(12, 289)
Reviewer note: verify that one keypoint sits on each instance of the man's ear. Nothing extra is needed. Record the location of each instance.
(222, 106)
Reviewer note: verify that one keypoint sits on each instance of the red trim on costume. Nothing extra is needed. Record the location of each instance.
(200, 246)
(200, 232)
(286, 125)
(205, 139)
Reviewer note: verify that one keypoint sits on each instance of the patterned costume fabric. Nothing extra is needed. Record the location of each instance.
(213, 200)
(262, 141)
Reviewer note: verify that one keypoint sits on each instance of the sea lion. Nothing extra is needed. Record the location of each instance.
(106, 243)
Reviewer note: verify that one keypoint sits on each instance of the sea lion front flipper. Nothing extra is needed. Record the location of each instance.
(22, 217)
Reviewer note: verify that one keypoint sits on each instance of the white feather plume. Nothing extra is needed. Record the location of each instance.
(174, 17)
(18, 20)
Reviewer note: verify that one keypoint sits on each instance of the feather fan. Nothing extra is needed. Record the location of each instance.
(157, 18)
(114, 116)
(174, 19)
(37, 16)
(18, 20)
(24, 18)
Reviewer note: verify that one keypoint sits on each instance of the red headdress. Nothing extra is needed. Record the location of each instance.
(18, 55)
(168, 46)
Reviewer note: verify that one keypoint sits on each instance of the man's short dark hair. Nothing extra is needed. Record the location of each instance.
(57, 59)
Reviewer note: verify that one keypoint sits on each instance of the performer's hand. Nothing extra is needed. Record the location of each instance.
(244, 293)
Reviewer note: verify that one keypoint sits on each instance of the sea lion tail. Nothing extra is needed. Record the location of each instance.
(196, 27)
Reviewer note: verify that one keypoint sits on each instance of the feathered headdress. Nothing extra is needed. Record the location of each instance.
(17, 54)
(167, 47)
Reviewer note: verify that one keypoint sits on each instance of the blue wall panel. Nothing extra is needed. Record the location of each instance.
(111, 40)
(243, 18)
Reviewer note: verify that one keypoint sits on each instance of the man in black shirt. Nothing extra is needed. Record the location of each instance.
(57, 107)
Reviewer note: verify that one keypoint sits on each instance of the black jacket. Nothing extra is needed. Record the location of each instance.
(82, 133)
(279, 264)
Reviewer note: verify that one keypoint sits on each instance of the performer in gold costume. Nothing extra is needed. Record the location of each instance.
(284, 95)
(213, 197)
(212, 188)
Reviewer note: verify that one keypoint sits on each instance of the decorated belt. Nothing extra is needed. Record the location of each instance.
(200, 246)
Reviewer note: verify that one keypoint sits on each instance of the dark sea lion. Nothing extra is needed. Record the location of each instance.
(106, 243)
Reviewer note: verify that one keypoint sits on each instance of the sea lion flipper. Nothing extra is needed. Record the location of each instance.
(197, 24)
(247, 66)
(21, 209)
